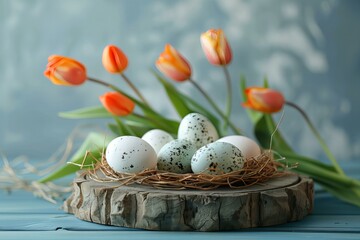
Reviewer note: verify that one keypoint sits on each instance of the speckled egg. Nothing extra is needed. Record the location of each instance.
(129, 154)
(197, 129)
(176, 155)
(217, 158)
(157, 138)
(247, 146)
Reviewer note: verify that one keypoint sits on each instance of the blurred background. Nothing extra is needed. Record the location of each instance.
(309, 50)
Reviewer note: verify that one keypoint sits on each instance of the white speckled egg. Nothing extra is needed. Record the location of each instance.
(157, 138)
(129, 154)
(247, 146)
(197, 129)
(217, 158)
(176, 155)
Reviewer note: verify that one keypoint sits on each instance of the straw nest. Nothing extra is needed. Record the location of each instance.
(255, 170)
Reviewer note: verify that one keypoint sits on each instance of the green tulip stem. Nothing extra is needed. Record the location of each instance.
(318, 136)
(229, 96)
(132, 86)
(213, 104)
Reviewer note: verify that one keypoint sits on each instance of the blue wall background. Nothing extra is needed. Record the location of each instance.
(310, 50)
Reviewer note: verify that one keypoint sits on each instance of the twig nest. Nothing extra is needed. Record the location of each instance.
(217, 158)
(129, 154)
(254, 170)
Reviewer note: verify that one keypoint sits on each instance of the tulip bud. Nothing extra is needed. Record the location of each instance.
(264, 99)
(117, 104)
(114, 60)
(173, 65)
(216, 47)
(65, 71)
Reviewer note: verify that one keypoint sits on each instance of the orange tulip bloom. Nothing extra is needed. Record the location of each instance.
(117, 104)
(114, 60)
(65, 71)
(216, 47)
(264, 99)
(172, 64)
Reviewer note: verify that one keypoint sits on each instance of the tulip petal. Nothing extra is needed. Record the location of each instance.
(171, 71)
(117, 104)
(216, 47)
(114, 60)
(172, 64)
(264, 99)
(178, 60)
(209, 50)
(65, 71)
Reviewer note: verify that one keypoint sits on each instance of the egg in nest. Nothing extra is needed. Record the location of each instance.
(247, 146)
(217, 158)
(176, 155)
(129, 154)
(197, 129)
(157, 138)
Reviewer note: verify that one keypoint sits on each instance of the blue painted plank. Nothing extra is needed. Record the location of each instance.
(50, 222)
(26, 202)
(140, 235)
(325, 204)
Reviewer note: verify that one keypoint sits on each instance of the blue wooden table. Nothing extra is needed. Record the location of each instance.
(23, 216)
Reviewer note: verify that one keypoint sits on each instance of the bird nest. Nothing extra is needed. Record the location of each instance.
(255, 170)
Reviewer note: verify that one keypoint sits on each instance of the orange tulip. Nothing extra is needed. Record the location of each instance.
(264, 99)
(114, 60)
(172, 64)
(216, 48)
(117, 104)
(65, 71)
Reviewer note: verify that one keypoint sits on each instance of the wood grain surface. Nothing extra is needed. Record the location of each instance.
(280, 200)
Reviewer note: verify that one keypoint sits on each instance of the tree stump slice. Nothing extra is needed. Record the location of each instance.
(277, 201)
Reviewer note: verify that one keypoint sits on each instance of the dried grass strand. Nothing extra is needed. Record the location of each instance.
(18, 173)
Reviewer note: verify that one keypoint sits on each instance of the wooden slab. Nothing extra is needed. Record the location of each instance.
(280, 200)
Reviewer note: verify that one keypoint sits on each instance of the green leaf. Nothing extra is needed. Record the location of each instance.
(174, 96)
(303, 159)
(123, 129)
(167, 125)
(163, 123)
(100, 112)
(115, 129)
(95, 143)
(138, 119)
(185, 105)
(89, 112)
(316, 169)
(349, 195)
(138, 129)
